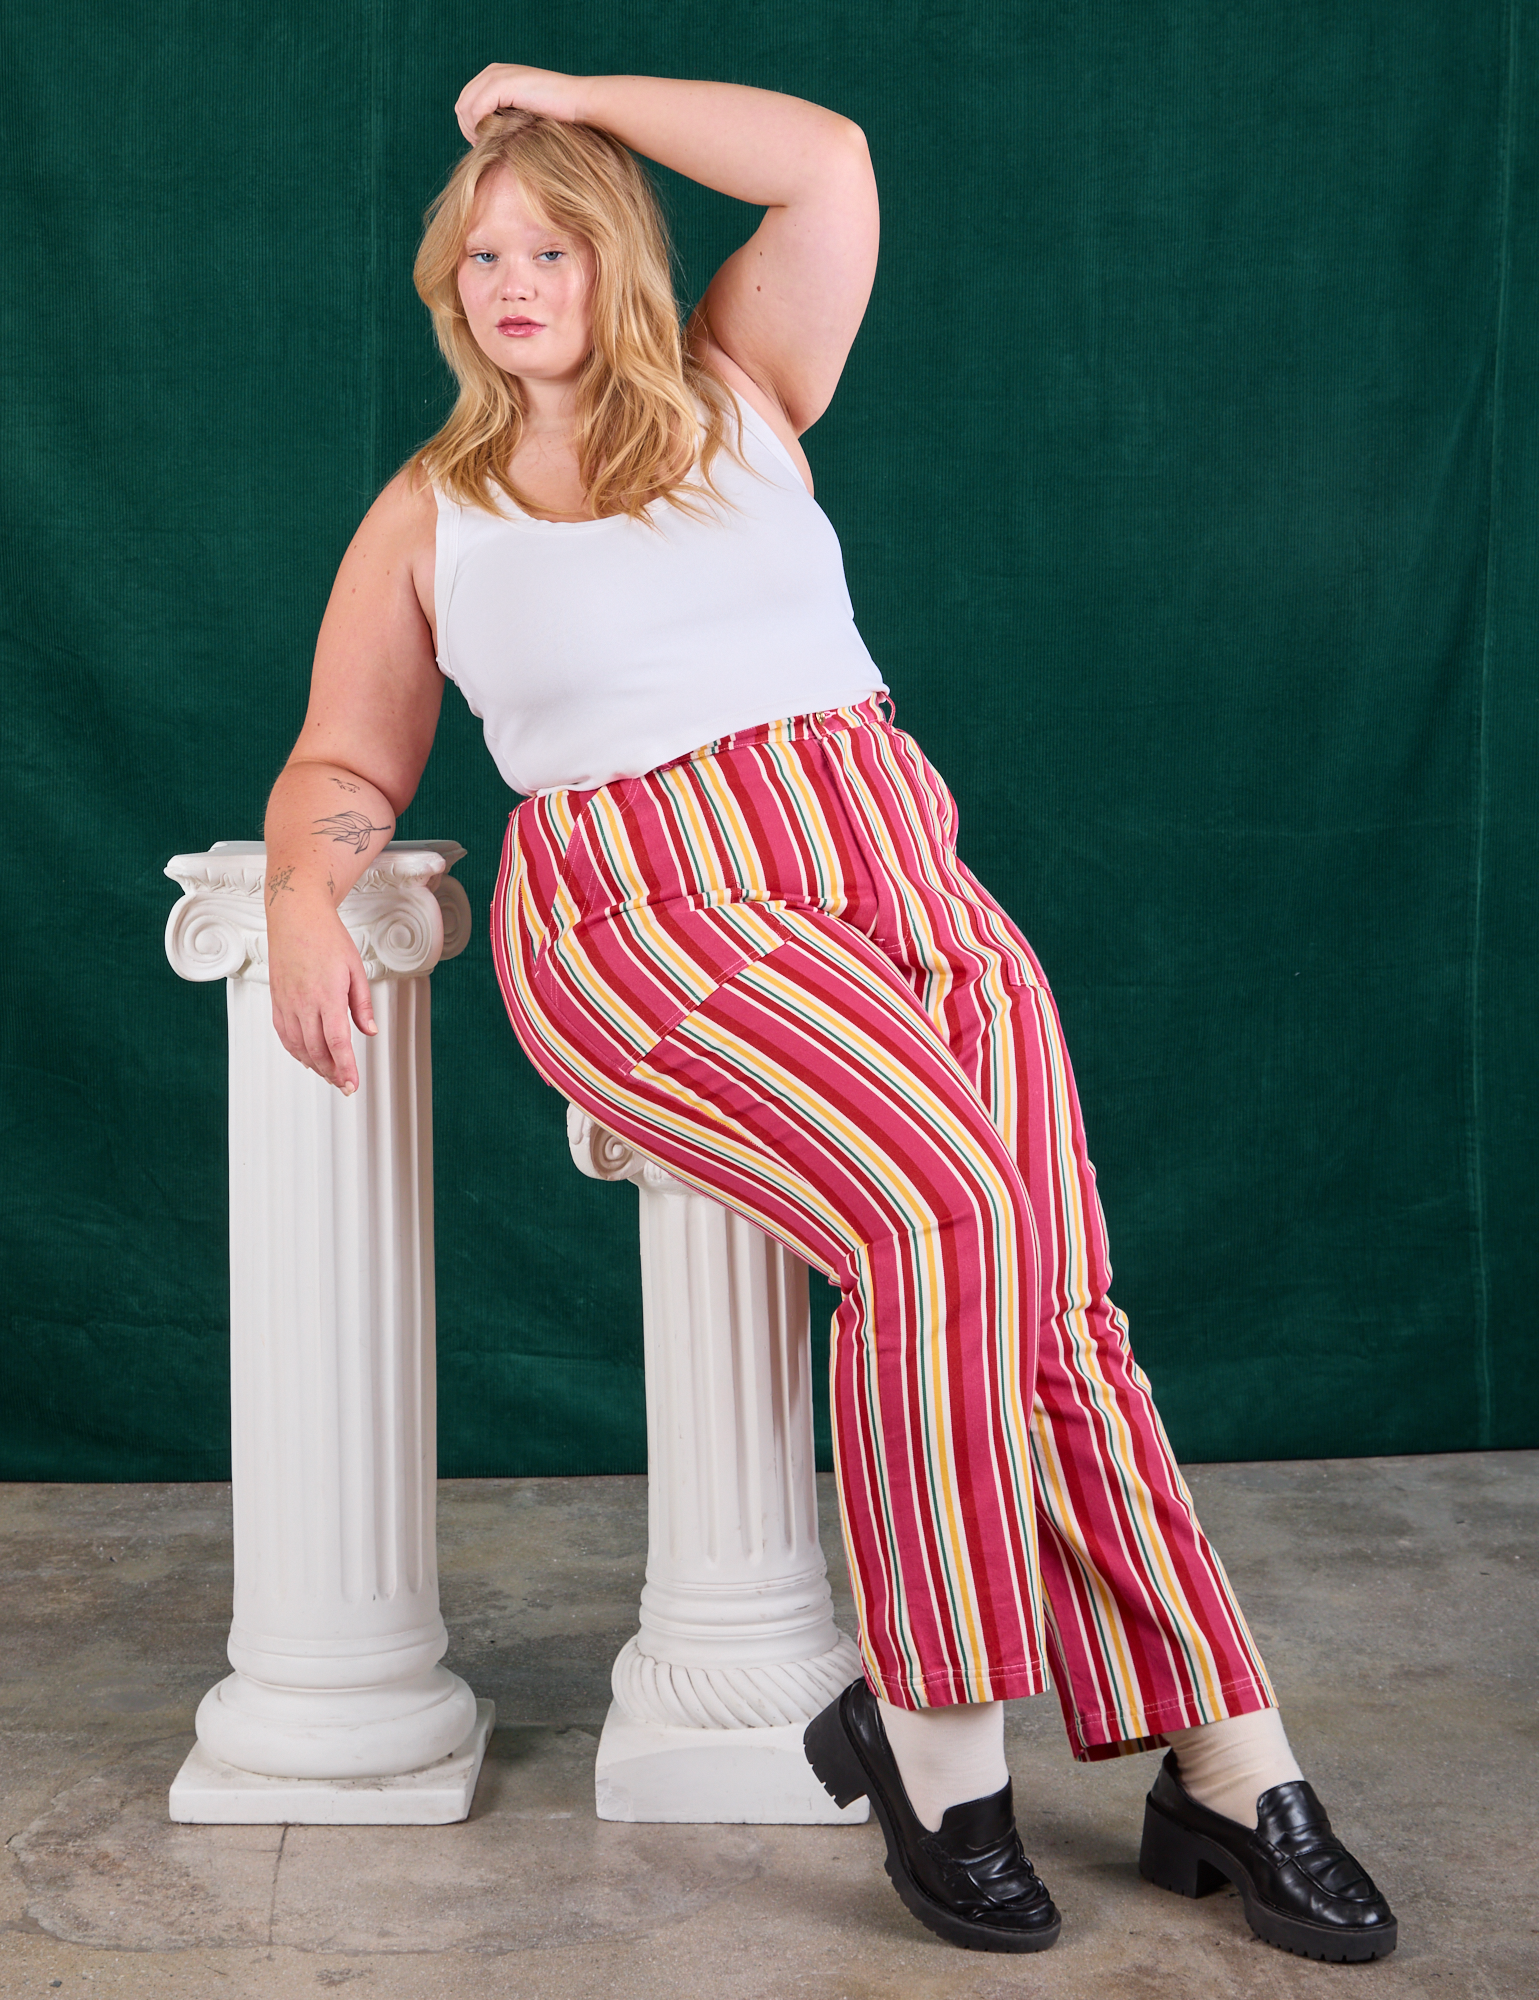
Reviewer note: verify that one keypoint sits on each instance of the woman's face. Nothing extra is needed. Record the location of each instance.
(526, 287)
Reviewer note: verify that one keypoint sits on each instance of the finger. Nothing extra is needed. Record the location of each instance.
(317, 1052)
(341, 1062)
(361, 1001)
(475, 100)
(476, 112)
(459, 102)
(291, 1038)
(310, 1025)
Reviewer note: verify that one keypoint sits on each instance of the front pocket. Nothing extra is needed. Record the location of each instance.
(620, 982)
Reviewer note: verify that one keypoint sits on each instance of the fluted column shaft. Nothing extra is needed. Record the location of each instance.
(336, 1633)
(737, 1648)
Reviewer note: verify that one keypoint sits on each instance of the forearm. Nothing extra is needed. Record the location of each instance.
(756, 145)
(324, 826)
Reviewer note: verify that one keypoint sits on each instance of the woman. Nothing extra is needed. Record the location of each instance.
(731, 923)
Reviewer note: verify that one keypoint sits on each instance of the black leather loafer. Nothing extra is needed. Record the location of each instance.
(1301, 1889)
(970, 1881)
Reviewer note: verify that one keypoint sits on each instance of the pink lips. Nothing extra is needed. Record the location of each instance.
(520, 326)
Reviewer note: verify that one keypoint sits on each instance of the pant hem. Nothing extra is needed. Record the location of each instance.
(1096, 1737)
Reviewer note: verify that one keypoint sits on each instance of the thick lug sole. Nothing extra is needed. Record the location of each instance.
(1174, 1857)
(832, 1757)
(844, 1777)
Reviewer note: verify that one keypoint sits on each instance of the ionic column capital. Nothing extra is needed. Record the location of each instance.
(604, 1156)
(405, 913)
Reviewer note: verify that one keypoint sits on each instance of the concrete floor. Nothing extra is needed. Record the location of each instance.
(1394, 1599)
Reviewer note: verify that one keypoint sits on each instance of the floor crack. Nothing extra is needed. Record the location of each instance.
(272, 1901)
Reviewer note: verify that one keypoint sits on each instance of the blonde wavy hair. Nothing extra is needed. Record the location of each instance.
(640, 393)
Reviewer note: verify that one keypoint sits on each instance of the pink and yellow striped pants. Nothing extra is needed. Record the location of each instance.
(765, 966)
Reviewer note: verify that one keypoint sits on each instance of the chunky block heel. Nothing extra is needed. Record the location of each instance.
(1300, 1888)
(834, 1763)
(1169, 1858)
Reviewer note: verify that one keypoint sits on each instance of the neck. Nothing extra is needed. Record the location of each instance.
(548, 406)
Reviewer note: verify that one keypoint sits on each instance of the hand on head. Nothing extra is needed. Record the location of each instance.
(514, 86)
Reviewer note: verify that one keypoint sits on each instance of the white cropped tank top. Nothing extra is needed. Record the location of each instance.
(596, 650)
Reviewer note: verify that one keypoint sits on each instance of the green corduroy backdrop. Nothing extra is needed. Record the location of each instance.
(1187, 470)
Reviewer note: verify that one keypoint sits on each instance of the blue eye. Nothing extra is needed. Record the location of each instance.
(548, 253)
(490, 256)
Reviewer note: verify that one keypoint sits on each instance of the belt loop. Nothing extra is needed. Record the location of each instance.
(886, 701)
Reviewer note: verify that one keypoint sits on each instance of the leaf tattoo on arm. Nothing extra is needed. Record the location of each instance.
(281, 880)
(352, 829)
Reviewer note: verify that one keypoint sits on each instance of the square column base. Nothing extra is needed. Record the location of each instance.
(208, 1793)
(711, 1777)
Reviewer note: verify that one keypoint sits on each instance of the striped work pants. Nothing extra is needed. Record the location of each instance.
(765, 966)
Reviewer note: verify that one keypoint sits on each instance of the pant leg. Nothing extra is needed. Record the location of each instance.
(1143, 1629)
(808, 1090)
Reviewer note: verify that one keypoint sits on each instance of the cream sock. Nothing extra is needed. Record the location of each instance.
(947, 1755)
(1227, 1765)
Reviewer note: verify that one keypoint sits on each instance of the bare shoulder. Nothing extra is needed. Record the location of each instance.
(405, 513)
(406, 503)
(400, 532)
(711, 355)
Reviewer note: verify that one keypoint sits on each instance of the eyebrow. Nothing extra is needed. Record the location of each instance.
(474, 240)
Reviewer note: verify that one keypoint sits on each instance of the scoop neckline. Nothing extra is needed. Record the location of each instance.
(520, 517)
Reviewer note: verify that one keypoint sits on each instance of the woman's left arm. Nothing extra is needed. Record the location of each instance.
(787, 306)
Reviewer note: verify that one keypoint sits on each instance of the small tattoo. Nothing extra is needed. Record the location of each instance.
(343, 786)
(353, 829)
(331, 887)
(280, 881)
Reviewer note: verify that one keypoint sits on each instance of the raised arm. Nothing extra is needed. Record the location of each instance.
(374, 700)
(785, 308)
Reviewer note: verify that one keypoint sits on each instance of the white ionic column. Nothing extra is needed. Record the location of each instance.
(337, 1711)
(737, 1649)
